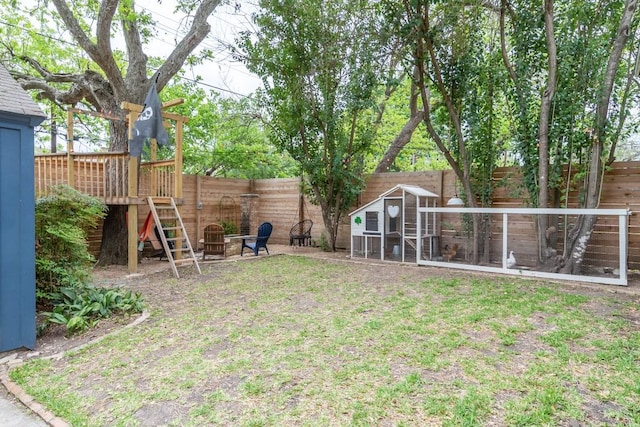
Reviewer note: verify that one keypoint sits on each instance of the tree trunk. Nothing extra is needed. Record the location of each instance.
(114, 230)
(486, 234)
(543, 134)
(114, 237)
(399, 142)
(581, 233)
(330, 222)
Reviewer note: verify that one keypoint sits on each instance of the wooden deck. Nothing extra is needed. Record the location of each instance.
(105, 176)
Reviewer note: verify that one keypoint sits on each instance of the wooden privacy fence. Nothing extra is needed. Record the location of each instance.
(278, 201)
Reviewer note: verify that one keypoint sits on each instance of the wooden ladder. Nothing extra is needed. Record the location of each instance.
(165, 212)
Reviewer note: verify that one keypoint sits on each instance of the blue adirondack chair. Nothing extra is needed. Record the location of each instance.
(260, 241)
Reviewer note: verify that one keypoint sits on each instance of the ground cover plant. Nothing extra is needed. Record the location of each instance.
(286, 340)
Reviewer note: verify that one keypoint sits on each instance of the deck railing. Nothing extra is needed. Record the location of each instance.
(103, 175)
(158, 178)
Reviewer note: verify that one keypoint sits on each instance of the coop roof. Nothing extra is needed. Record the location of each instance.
(411, 189)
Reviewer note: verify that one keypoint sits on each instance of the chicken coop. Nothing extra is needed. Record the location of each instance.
(386, 228)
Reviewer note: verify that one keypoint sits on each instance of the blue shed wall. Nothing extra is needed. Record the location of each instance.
(17, 237)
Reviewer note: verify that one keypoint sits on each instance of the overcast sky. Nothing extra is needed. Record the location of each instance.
(225, 75)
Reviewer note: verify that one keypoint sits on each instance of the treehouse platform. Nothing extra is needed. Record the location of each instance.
(116, 177)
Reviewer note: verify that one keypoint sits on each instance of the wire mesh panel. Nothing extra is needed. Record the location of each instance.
(571, 244)
(366, 247)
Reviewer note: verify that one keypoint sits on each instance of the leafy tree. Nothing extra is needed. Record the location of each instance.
(225, 137)
(455, 54)
(570, 52)
(580, 234)
(100, 76)
(320, 62)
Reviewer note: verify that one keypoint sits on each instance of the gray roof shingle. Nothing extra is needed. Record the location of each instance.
(14, 99)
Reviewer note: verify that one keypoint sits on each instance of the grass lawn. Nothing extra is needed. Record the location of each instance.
(293, 341)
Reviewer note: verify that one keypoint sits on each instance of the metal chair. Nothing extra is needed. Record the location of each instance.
(301, 233)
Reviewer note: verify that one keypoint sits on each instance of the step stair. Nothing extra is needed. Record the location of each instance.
(167, 218)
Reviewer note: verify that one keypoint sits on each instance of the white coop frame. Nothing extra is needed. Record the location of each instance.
(386, 228)
(623, 226)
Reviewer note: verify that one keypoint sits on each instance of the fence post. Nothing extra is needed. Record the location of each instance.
(70, 162)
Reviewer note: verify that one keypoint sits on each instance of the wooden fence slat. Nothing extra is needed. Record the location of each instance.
(278, 199)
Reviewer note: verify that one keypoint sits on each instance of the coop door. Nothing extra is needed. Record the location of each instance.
(393, 229)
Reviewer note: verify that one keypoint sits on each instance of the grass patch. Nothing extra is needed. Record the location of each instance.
(295, 341)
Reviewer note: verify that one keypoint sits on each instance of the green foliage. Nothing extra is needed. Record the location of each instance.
(320, 63)
(80, 307)
(225, 138)
(324, 244)
(229, 227)
(62, 221)
(63, 263)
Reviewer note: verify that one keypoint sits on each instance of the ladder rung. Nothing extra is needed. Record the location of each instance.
(161, 200)
(174, 223)
(184, 260)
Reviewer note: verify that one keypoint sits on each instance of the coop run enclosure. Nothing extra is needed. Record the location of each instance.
(508, 242)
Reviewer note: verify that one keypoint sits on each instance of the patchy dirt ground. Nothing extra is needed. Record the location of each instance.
(54, 341)
(150, 271)
(155, 281)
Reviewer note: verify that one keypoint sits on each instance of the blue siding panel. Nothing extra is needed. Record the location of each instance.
(17, 238)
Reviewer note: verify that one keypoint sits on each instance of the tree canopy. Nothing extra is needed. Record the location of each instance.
(321, 63)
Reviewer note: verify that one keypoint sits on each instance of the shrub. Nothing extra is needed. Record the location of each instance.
(62, 221)
(324, 243)
(229, 227)
(82, 306)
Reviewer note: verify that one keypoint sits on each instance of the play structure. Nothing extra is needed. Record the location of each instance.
(387, 227)
(118, 179)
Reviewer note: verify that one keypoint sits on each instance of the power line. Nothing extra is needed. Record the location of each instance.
(211, 86)
(47, 36)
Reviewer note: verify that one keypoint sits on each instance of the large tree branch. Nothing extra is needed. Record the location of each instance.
(99, 52)
(137, 67)
(89, 85)
(400, 142)
(197, 32)
(77, 92)
(76, 30)
(453, 113)
(106, 60)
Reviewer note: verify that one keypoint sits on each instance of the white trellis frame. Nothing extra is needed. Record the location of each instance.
(623, 225)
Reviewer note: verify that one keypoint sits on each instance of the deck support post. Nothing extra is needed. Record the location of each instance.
(132, 222)
(132, 192)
